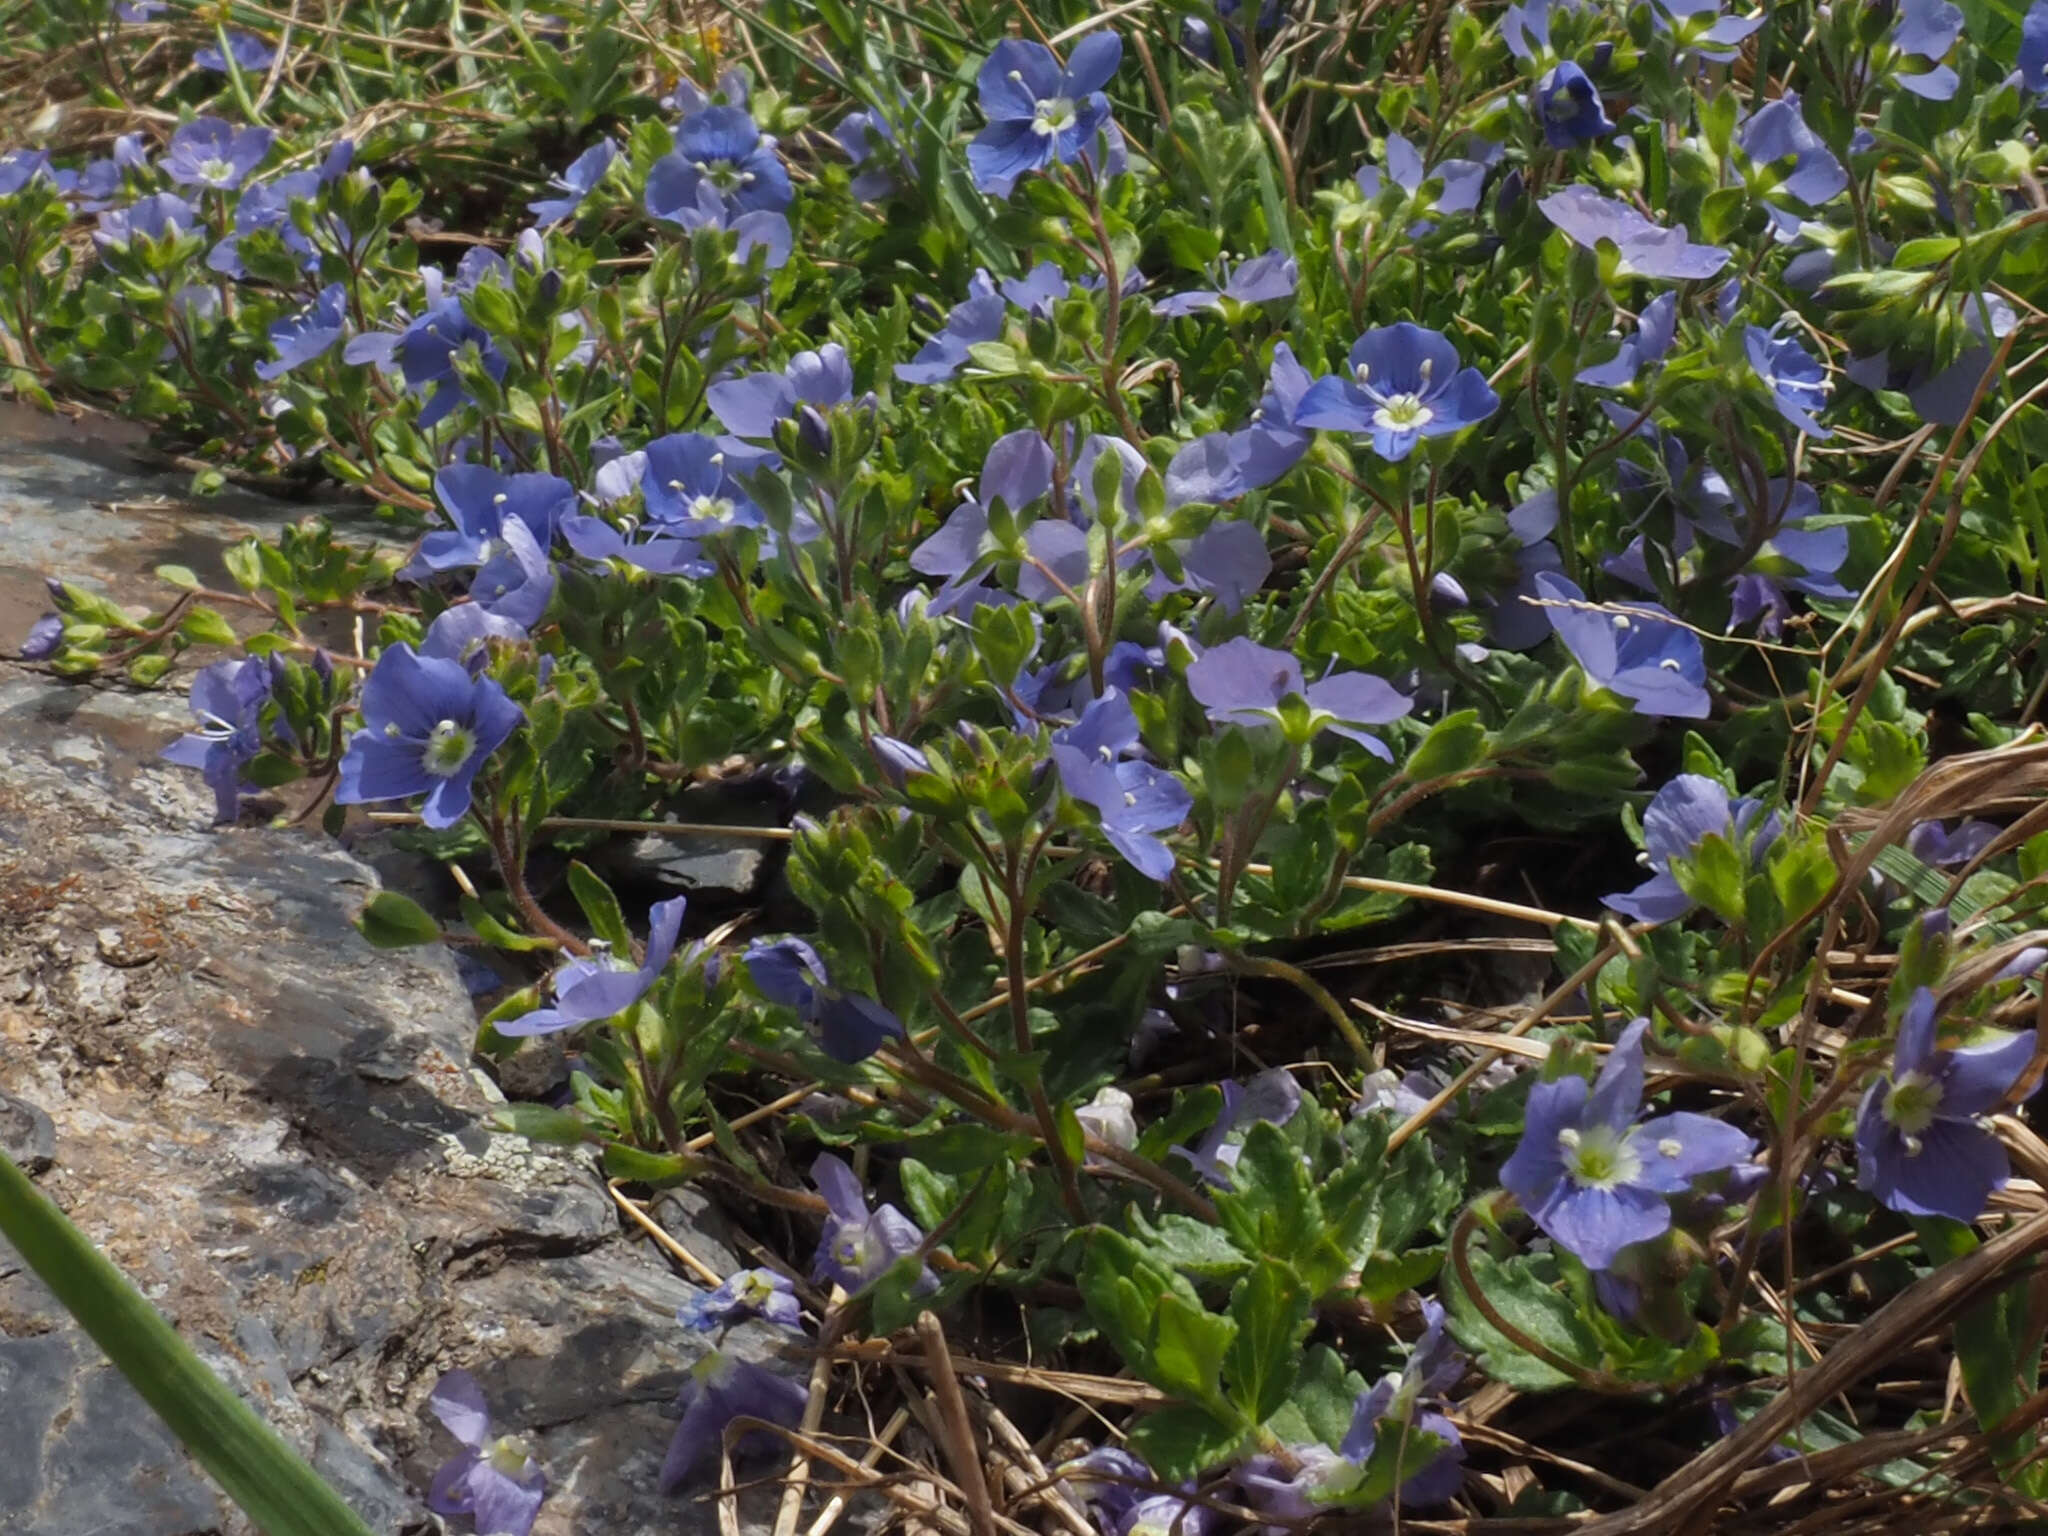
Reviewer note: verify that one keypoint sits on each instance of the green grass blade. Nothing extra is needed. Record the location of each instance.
(274, 1487)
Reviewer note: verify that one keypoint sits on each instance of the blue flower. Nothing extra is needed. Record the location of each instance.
(1927, 29)
(1406, 386)
(689, 489)
(1241, 682)
(1700, 26)
(428, 727)
(1594, 1179)
(1656, 327)
(160, 216)
(312, 332)
(1276, 440)
(494, 1481)
(1039, 115)
(19, 167)
(208, 152)
(1273, 1097)
(859, 1246)
(1568, 105)
(248, 52)
(869, 139)
(650, 546)
(603, 985)
(1776, 136)
(1647, 249)
(479, 500)
(1135, 800)
(2032, 74)
(1681, 816)
(427, 350)
(723, 167)
(45, 638)
(850, 1026)
(1260, 280)
(1638, 650)
(751, 404)
(1921, 1143)
(268, 205)
(976, 319)
(750, 1293)
(228, 698)
(1397, 1401)
(721, 1388)
(1797, 382)
(1462, 180)
(574, 184)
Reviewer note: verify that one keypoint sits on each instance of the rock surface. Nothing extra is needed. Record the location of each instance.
(275, 1132)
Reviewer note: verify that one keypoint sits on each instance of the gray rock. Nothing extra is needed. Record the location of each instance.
(26, 1134)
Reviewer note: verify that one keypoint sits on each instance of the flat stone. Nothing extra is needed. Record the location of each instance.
(26, 1134)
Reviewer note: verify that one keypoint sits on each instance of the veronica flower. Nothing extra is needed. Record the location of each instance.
(1776, 136)
(479, 500)
(1567, 104)
(1273, 1097)
(2032, 74)
(1592, 1177)
(45, 638)
(300, 338)
(723, 169)
(721, 1387)
(752, 404)
(1927, 30)
(428, 727)
(1406, 385)
(1922, 1145)
(462, 633)
(1241, 682)
(1935, 844)
(746, 1294)
(1798, 384)
(1681, 816)
(1167, 1514)
(208, 152)
(1700, 26)
(1260, 280)
(859, 1246)
(1656, 328)
(228, 699)
(1398, 1399)
(1134, 799)
(160, 216)
(19, 167)
(602, 985)
(574, 184)
(268, 205)
(1647, 249)
(1462, 180)
(1275, 440)
(427, 350)
(494, 1481)
(248, 53)
(650, 546)
(865, 134)
(1017, 471)
(1109, 1480)
(689, 489)
(1638, 650)
(850, 1026)
(1038, 114)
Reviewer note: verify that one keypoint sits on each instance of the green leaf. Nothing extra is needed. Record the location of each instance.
(1532, 1306)
(1199, 1248)
(662, 1170)
(390, 920)
(279, 1492)
(1454, 743)
(1270, 1311)
(600, 909)
(1188, 1348)
(539, 1122)
(1182, 1442)
(967, 1148)
(1271, 1208)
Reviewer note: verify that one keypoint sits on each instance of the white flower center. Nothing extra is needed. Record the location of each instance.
(508, 1454)
(448, 748)
(1053, 115)
(1402, 413)
(216, 170)
(711, 509)
(1911, 1104)
(1600, 1157)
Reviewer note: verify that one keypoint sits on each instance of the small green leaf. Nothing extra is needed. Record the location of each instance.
(539, 1122)
(1270, 1310)
(1182, 1442)
(393, 921)
(600, 909)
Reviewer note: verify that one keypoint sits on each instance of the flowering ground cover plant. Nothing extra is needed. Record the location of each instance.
(1175, 495)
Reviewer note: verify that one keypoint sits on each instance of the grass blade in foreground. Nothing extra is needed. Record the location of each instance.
(262, 1474)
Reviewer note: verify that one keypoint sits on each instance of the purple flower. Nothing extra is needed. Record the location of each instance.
(1568, 105)
(1274, 442)
(480, 501)
(689, 489)
(45, 638)
(1463, 180)
(748, 1293)
(19, 167)
(976, 319)
(1927, 29)
(247, 52)
(1700, 26)
(1406, 386)
(494, 1481)
(1260, 280)
(300, 338)
(1273, 1096)
(1167, 1514)
(160, 216)
(574, 184)
(722, 1388)
(2033, 53)
(859, 1246)
(723, 169)
(864, 133)
(208, 152)
(1038, 114)
(1017, 471)
(463, 632)
(1934, 843)
(1134, 799)
(228, 699)
(427, 350)
(1681, 816)
(1638, 650)
(1241, 682)
(517, 581)
(268, 205)
(752, 404)
(1594, 1179)
(1109, 1480)
(1798, 384)
(850, 1026)
(603, 985)
(1647, 249)
(1396, 1401)
(650, 546)
(1656, 326)
(1922, 1146)
(1776, 135)
(428, 726)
